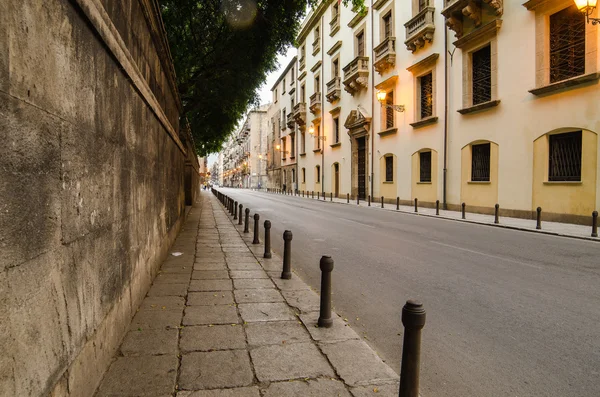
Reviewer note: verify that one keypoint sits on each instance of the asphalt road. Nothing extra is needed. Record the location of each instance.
(509, 313)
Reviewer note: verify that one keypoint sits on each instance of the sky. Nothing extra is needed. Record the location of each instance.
(265, 89)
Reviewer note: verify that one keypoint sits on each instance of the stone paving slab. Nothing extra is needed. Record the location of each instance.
(172, 278)
(252, 284)
(161, 289)
(379, 390)
(303, 300)
(339, 331)
(205, 315)
(292, 284)
(289, 361)
(211, 285)
(308, 388)
(253, 312)
(140, 376)
(207, 338)
(244, 266)
(155, 319)
(275, 333)
(163, 303)
(210, 298)
(257, 296)
(150, 342)
(237, 392)
(248, 274)
(210, 266)
(210, 275)
(219, 369)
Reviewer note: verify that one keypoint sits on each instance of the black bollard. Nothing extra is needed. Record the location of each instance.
(256, 240)
(437, 207)
(413, 319)
(247, 220)
(357, 200)
(303, 194)
(464, 215)
(235, 206)
(369, 200)
(496, 213)
(326, 266)
(538, 225)
(267, 240)
(330, 196)
(595, 224)
(397, 203)
(240, 217)
(416, 205)
(286, 274)
(347, 198)
(312, 194)
(381, 201)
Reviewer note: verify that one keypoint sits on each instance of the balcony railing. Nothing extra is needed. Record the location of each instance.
(315, 102)
(420, 29)
(334, 89)
(385, 55)
(356, 75)
(300, 113)
(290, 119)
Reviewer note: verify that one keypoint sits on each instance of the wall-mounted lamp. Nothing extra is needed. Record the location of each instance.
(381, 95)
(311, 131)
(587, 7)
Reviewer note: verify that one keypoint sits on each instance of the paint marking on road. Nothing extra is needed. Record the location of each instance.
(360, 223)
(488, 255)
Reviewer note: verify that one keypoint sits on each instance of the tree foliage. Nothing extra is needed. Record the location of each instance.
(223, 51)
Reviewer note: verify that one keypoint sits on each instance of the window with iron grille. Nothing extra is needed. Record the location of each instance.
(480, 162)
(387, 25)
(360, 44)
(567, 44)
(284, 118)
(565, 157)
(293, 145)
(389, 111)
(318, 170)
(482, 75)
(336, 129)
(425, 166)
(423, 4)
(426, 86)
(389, 169)
(303, 175)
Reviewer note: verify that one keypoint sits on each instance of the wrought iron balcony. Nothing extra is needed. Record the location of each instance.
(334, 89)
(290, 119)
(420, 29)
(385, 55)
(300, 113)
(315, 102)
(356, 75)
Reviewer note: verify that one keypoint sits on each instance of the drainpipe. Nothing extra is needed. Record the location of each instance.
(323, 102)
(297, 137)
(372, 100)
(446, 93)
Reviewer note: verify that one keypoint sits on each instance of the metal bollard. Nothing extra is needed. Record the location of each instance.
(538, 225)
(416, 205)
(235, 207)
(330, 196)
(595, 224)
(256, 219)
(303, 194)
(286, 274)
(240, 217)
(247, 220)
(267, 240)
(496, 213)
(326, 266)
(413, 319)
(381, 201)
(463, 211)
(312, 194)
(397, 203)
(347, 198)
(369, 199)
(357, 199)
(437, 207)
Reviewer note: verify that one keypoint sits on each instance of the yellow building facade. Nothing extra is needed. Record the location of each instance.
(486, 102)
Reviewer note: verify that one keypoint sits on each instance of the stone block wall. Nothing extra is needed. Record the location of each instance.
(92, 181)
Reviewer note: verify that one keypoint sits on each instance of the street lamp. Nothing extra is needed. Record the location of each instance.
(587, 7)
(381, 95)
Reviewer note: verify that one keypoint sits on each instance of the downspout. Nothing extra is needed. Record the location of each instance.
(297, 138)
(372, 100)
(446, 93)
(323, 103)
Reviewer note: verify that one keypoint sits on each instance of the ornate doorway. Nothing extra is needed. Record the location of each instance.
(358, 124)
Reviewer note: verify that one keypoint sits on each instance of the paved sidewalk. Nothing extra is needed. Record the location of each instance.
(219, 322)
(553, 228)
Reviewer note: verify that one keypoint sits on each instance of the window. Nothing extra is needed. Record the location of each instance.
(426, 95)
(336, 129)
(292, 76)
(283, 91)
(389, 111)
(303, 175)
(335, 67)
(302, 52)
(293, 102)
(567, 44)
(389, 168)
(318, 135)
(318, 171)
(360, 44)
(293, 175)
(303, 142)
(387, 25)
(284, 118)
(565, 157)
(283, 147)
(317, 83)
(425, 166)
(480, 162)
(275, 95)
(423, 4)
(317, 34)
(302, 93)
(293, 146)
(482, 75)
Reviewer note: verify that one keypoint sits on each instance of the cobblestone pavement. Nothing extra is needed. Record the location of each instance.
(219, 321)
(554, 228)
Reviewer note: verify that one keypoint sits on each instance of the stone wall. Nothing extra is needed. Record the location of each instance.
(91, 184)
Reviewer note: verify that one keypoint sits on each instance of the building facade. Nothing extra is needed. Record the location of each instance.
(244, 157)
(480, 101)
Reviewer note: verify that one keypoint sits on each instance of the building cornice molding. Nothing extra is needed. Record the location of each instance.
(358, 17)
(424, 63)
(312, 19)
(315, 66)
(488, 30)
(335, 47)
(379, 4)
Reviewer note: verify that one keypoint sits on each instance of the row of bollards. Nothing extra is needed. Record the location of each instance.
(463, 211)
(413, 313)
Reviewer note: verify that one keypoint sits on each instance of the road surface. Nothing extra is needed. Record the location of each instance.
(509, 313)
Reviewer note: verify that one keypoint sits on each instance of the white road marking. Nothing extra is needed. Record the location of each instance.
(488, 255)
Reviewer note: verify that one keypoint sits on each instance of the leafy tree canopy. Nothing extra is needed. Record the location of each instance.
(223, 51)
